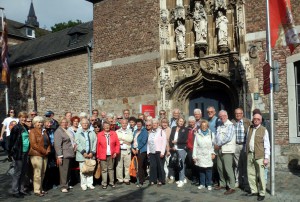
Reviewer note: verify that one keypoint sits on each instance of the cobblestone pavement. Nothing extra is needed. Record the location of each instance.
(287, 189)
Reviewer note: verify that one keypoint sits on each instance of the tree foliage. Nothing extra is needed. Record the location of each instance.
(63, 25)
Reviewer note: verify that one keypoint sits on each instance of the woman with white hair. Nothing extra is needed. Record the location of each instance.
(40, 147)
(156, 148)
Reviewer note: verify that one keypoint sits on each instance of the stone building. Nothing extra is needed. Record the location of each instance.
(192, 54)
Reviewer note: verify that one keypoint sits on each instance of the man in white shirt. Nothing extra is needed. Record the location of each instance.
(125, 137)
(258, 155)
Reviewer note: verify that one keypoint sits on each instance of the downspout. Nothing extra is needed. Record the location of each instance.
(89, 48)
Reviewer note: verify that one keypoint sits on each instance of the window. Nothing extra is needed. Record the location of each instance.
(297, 88)
(30, 32)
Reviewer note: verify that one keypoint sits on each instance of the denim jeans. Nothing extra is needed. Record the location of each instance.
(205, 176)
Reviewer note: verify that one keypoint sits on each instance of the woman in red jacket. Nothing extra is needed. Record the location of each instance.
(108, 147)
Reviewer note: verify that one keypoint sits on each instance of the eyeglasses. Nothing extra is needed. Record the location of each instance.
(33, 114)
(12, 112)
(92, 120)
(28, 121)
(162, 113)
(148, 125)
(210, 111)
(96, 127)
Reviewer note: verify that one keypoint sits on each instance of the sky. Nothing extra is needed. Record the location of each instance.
(49, 12)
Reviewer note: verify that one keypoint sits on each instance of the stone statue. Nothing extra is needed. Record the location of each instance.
(200, 23)
(180, 39)
(220, 4)
(179, 3)
(221, 24)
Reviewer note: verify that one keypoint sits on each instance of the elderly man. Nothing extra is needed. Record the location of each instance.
(125, 137)
(54, 123)
(212, 119)
(126, 114)
(198, 116)
(241, 125)
(225, 148)
(258, 155)
(176, 113)
(162, 114)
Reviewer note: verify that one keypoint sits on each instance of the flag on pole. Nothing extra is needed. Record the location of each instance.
(5, 76)
(283, 30)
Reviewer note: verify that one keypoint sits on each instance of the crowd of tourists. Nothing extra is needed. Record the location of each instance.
(212, 154)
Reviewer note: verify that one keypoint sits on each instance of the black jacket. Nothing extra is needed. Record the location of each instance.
(15, 147)
(182, 137)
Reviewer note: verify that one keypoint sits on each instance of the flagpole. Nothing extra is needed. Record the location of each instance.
(271, 101)
(6, 88)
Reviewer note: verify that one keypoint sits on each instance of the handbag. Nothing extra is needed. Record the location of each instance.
(97, 174)
(133, 169)
(88, 166)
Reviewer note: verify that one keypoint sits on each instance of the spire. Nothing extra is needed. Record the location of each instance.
(31, 18)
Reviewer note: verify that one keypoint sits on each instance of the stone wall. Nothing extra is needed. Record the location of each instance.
(59, 85)
(124, 28)
(255, 11)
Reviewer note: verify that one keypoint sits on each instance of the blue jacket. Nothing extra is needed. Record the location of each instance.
(142, 140)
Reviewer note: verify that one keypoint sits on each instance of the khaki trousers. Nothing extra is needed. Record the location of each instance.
(107, 167)
(240, 165)
(256, 175)
(39, 165)
(124, 160)
(85, 180)
(225, 169)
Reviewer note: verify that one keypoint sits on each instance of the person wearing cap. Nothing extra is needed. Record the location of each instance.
(258, 155)
(54, 123)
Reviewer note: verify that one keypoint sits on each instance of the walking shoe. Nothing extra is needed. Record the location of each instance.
(171, 181)
(237, 185)
(209, 188)
(260, 198)
(70, 187)
(229, 191)
(201, 187)
(84, 187)
(91, 187)
(180, 184)
(185, 181)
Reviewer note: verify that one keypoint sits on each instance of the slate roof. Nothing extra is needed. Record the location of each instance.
(15, 28)
(51, 45)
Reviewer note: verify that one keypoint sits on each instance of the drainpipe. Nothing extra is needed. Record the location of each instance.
(89, 48)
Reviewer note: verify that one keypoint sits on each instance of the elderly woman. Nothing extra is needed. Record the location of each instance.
(108, 147)
(97, 127)
(39, 149)
(178, 139)
(139, 148)
(156, 148)
(86, 141)
(64, 144)
(164, 123)
(18, 148)
(203, 154)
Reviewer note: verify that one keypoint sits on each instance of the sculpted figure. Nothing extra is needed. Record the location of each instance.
(200, 23)
(221, 24)
(180, 37)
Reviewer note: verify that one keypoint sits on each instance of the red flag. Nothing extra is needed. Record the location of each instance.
(5, 77)
(283, 30)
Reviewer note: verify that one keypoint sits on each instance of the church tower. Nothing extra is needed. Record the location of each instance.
(31, 18)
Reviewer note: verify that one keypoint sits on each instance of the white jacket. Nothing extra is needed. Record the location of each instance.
(203, 149)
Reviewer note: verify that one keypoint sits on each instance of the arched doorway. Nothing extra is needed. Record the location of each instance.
(219, 99)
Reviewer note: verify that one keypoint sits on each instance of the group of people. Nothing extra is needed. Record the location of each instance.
(215, 154)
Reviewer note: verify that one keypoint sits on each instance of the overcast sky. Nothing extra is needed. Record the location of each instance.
(49, 12)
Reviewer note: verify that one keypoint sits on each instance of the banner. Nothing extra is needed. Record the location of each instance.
(283, 30)
(5, 77)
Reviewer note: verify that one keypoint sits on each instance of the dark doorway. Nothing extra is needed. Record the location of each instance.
(217, 98)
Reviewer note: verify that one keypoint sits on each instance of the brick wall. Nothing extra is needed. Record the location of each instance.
(256, 14)
(124, 28)
(64, 87)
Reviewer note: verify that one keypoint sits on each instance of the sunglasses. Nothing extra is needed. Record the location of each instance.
(96, 127)
(148, 125)
(28, 121)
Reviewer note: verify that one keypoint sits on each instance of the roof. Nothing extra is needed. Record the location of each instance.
(15, 28)
(52, 45)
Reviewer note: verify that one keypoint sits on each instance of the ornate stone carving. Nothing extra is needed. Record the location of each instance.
(221, 25)
(164, 16)
(240, 17)
(164, 34)
(220, 4)
(200, 23)
(180, 40)
(179, 12)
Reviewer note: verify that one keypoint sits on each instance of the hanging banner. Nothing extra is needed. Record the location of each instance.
(283, 30)
(266, 76)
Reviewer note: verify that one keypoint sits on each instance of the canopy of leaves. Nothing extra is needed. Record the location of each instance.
(63, 25)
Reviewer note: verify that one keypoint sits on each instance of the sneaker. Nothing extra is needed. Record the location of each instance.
(184, 181)
(70, 187)
(209, 188)
(171, 181)
(180, 184)
(91, 187)
(177, 182)
(201, 187)
(236, 185)
(84, 187)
